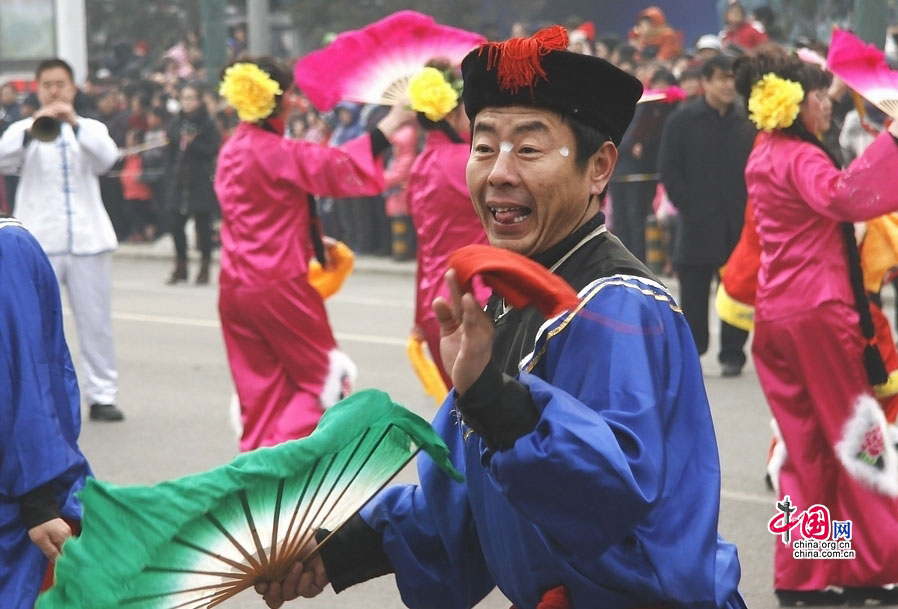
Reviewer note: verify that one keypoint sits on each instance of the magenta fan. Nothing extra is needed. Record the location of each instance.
(374, 64)
(863, 67)
(670, 95)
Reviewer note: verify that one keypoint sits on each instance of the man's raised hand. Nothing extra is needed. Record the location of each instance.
(466, 335)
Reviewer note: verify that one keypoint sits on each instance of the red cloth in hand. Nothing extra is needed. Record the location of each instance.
(49, 574)
(556, 598)
(516, 278)
(559, 598)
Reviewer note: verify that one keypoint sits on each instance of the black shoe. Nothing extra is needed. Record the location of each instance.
(179, 274)
(857, 597)
(798, 598)
(729, 370)
(105, 412)
(202, 278)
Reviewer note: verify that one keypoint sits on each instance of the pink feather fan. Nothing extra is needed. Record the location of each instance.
(375, 64)
(863, 67)
(670, 95)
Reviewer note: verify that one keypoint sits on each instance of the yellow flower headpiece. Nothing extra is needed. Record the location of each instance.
(774, 102)
(250, 91)
(429, 92)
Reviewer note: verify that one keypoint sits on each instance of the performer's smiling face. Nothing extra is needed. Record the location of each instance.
(525, 182)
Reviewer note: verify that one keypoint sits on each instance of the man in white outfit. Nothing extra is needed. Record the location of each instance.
(59, 201)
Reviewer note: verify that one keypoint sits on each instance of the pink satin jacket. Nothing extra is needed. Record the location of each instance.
(443, 215)
(800, 198)
(263, 181)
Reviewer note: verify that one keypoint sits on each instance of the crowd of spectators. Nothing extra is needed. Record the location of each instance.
(137, 94)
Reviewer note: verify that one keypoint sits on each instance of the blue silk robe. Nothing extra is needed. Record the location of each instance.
(40, 416)
(614, 494)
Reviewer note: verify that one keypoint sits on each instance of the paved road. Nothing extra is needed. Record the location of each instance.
(175, 389)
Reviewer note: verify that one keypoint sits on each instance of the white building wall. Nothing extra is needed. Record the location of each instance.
(71, 36)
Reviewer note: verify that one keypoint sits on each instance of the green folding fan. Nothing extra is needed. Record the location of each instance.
(199, 540)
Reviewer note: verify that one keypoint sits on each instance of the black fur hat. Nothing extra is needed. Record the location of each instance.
(539, 71)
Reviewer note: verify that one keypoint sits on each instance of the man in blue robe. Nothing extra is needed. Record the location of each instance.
(41, 466)
(586, 441)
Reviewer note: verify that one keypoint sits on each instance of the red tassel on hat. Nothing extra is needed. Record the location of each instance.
(519, 60)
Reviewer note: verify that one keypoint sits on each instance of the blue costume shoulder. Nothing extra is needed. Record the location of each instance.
(40, 416)
(615, 492)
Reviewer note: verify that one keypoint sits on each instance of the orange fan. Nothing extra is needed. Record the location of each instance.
(327, 281)
(425, 370)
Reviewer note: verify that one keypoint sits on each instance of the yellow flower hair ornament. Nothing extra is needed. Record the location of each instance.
(250, 91)
(774, 102)
(429, 92)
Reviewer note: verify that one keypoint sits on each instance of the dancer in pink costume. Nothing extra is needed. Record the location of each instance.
(812, 346)
(282, 353)
(440, 205)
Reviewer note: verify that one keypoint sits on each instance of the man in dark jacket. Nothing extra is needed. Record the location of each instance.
(704, 149)
(115, 117)
(636, 174)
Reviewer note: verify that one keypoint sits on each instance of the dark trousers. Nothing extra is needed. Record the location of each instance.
(347, 213)
(695, 290)
(383, 234)
(364, 225)
(631, 204)
(114, 202)
(140, 215)
(203, 221)
(372, 226)
(330, 222)
(11, 183)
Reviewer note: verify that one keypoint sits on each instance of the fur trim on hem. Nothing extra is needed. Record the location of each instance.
(236, 415)
(865, 449)
(777, 457)
(341, 377)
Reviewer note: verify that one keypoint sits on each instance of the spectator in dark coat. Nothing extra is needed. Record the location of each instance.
(350, 212)
(154, 170)
(704, 149)
(193, 148)
(636, 174)
(29, 105)
(10, 112)
(116, 118)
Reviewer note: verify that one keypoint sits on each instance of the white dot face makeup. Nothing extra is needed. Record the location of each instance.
(563, 151)
(505, 147)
